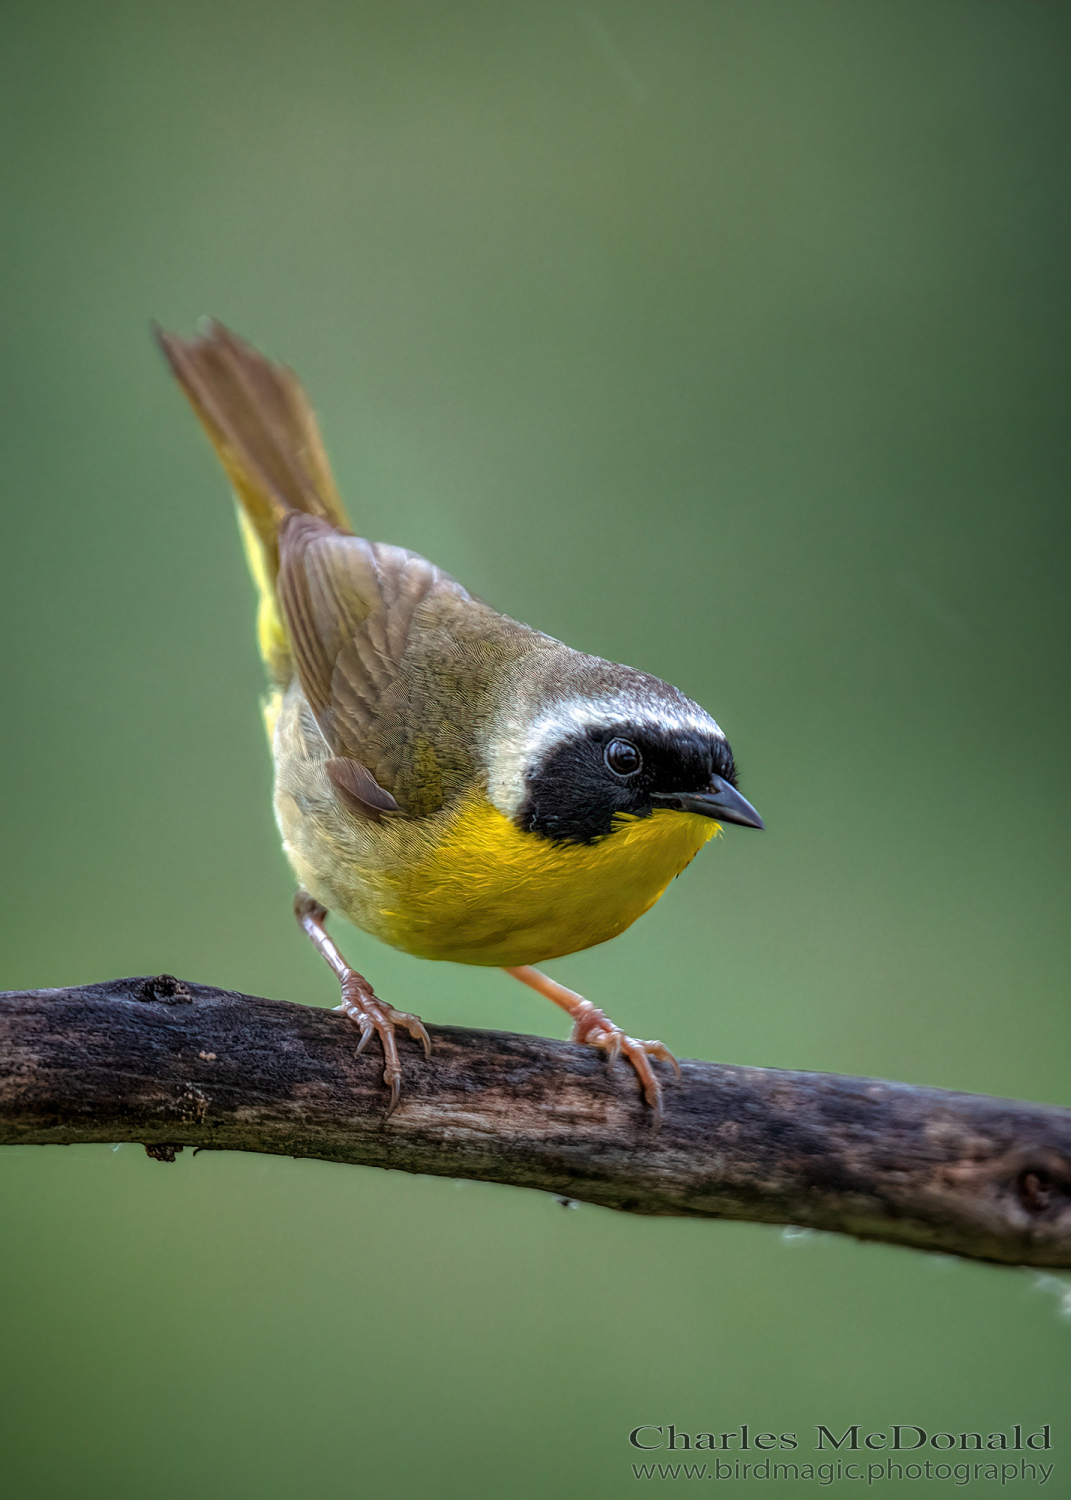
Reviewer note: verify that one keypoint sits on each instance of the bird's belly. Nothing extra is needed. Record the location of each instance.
(487, 893)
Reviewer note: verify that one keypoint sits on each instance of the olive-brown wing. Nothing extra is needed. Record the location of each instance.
(350, 607)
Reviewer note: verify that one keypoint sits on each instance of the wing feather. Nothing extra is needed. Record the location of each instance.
(350, 606)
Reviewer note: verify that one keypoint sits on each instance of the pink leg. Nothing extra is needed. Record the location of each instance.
(592, 1026)
(359, 1002)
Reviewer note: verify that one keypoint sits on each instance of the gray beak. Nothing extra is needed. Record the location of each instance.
(719, 800)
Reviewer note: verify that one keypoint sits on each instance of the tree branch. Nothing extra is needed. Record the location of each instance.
(172, 1064)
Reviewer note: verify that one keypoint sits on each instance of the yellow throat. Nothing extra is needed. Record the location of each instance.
(488, 893)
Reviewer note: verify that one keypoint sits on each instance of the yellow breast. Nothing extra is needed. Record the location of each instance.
(487, 893)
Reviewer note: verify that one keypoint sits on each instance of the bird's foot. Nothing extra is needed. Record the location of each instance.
(593, 1027)
(361, 1005)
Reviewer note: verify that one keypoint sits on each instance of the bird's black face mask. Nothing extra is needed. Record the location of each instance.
(583, 781)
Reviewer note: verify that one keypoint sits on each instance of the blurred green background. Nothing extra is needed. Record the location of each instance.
(725, 339)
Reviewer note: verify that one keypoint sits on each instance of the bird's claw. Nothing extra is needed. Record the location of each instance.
(395, 1082)
(593, 1028)
(416, 1029)
(375, 1018)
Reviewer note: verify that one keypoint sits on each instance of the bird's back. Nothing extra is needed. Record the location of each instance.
(393, 657)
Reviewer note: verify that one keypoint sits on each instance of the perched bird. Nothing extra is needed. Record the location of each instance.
(453, 782)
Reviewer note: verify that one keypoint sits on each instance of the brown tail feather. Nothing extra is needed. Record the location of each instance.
(262, 427)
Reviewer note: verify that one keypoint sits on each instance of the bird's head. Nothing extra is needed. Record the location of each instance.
(581, 763)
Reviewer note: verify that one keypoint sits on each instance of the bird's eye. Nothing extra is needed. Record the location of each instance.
(623, 758)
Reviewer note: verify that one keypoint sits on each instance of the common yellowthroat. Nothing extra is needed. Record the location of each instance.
(453, 782)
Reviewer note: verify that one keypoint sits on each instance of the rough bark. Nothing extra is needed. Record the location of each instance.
(172, 1064)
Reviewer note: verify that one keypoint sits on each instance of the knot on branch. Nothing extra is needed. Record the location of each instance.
(165, 989)
(161, 1152)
